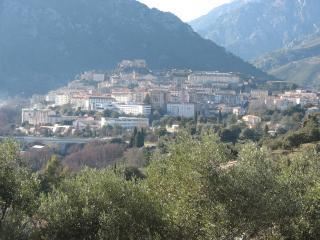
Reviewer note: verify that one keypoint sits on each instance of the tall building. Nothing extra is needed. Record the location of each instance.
(158, 99)
(134, 109)
(186, 110)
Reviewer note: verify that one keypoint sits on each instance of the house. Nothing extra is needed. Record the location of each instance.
(251, 120)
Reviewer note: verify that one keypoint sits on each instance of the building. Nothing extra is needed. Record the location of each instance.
(259, 94)
(301, 97)
(123, 96)
(43, 116)
(134, 109)
(138, 63)
(99, 77)
(186, 110)
(251, 120)
(230, 98)
(158, 99)
(86, 122)
(36, 117)
(238, 111)
(216, 79)
(79, 101)
(99, 103)
(62, 99)
(126, 122)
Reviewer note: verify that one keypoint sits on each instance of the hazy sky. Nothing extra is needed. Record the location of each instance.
(185, 9)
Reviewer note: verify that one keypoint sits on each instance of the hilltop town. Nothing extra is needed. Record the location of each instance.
(133, 96)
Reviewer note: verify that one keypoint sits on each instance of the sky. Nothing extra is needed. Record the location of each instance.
(187, 10)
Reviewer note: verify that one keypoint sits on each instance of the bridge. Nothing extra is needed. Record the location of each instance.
(55, 140)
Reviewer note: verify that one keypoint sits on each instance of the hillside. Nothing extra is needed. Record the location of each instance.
(299, 64)
(251, 28)
(45, 43)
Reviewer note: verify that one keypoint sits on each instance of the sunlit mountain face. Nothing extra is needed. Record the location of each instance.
(251, 28)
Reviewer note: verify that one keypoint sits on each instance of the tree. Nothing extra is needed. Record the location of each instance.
(100, 205)
(147, 100)
(137, 138)
(179, 181)
(160, 132)
(18, 194)
(52, 175)
(249, 134)
(132, 142)
(266, 130)
(230, 134)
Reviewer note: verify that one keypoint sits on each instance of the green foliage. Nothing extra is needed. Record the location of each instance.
(99, 205)
(52, 175)
(194, 188)
(308, 133)
(179, 181)
(137, 138)
(18, 194)
(251, 134)
(230, 134)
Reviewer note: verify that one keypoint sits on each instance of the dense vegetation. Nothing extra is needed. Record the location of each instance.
(196, 189)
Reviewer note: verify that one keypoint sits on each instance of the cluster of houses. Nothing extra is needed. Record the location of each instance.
(136, 93)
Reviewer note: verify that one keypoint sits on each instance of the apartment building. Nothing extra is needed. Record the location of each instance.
(217, 79)
(42, 116)
(99, 103)
(126, 122)
(186, 110)
(134, 109)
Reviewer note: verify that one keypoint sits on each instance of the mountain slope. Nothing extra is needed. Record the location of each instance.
(299, 64)
(44, 43)
(251, 28)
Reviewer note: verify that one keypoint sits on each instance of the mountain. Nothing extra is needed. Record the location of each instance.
(45, 43)
(299, 63)
(251, 28)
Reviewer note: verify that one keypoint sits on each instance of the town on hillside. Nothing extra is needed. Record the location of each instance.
(133, 96)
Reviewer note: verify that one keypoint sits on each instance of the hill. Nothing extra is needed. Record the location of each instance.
(299, 64)
(251, 28)
(45, 43)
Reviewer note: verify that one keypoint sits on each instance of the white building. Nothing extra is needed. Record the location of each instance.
(99, 103)
(238, 111)
(216, 78)
(122, 97)
(79, 102)
(126, 122)
(62, 99)
(84, 122)
(134, 109)
(251, 120)
(36, 117)
(181, 109)
(42, 116)
(99, 77)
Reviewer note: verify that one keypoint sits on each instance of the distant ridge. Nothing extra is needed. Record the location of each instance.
(252, 28)
(299, 63)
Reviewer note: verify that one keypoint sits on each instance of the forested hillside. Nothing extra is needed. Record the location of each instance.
(44, 44)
